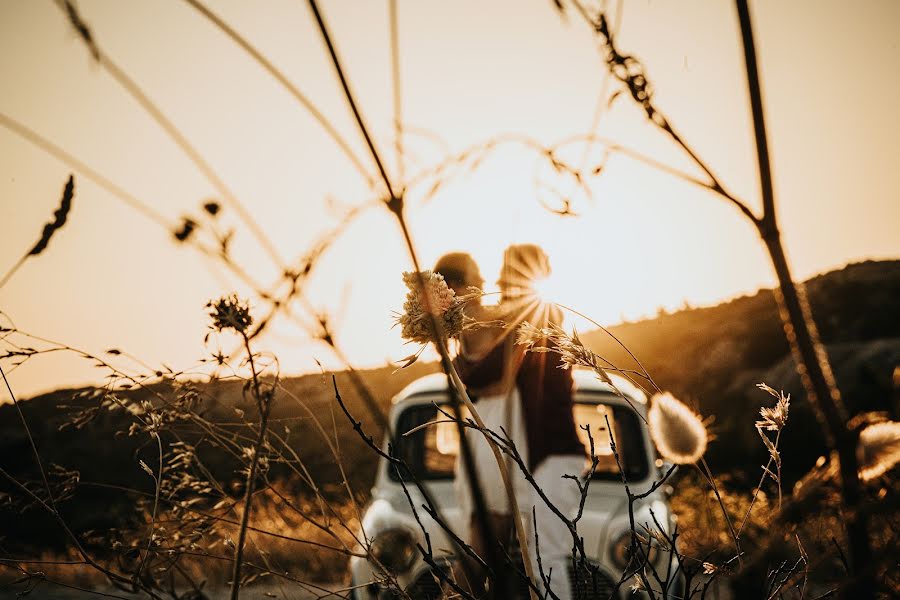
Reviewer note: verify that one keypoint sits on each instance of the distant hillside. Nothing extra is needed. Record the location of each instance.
(715, 356)
(711, 356)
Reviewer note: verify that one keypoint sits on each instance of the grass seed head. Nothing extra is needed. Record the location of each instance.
(528, 334)
(677, 431)
(879, 449)
(774, 419)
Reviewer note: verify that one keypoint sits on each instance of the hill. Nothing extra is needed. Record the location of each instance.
(713, 357)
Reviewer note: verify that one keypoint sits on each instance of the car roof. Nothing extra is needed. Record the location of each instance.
(585, 381)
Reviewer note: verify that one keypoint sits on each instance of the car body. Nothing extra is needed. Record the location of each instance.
(390, 526)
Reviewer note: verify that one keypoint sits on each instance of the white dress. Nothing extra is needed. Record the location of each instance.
(500, 413)
(556, 542)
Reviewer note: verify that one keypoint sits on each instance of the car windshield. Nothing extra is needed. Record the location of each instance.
(430, 451)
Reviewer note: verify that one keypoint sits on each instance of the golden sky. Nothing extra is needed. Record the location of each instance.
(470, 71)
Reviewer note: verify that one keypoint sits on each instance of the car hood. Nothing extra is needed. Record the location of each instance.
(603, 513)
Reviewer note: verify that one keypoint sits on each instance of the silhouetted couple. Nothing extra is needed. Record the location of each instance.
(527, 395)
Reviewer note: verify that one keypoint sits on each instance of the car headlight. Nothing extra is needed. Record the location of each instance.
(394, 549)
(620, 549)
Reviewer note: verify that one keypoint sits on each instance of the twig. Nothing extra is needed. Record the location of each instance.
(629, 71)
(643, 560)
(291, 88)
(348, 94)
(841, 555)
(397, 90)
(803, 337)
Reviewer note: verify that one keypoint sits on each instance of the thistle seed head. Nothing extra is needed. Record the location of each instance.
(229, 312)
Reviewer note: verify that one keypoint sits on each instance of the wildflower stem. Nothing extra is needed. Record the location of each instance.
(809, 354)
(50, 228)
(637, 86)
(51, 508)
(395, 204)
(50, 148)
(263, 406)
(639, 570)
(762, 479)
(37, 456)
(227, 521)
(778, 470)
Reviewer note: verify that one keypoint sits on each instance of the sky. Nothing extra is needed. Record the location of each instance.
(469, 72)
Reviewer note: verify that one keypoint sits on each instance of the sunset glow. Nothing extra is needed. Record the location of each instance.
(641, 240)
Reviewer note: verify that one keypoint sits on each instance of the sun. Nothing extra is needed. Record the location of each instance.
(548, 289)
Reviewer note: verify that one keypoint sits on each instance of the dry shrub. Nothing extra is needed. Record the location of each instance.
(701, 523)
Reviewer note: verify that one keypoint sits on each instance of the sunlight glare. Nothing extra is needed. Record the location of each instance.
(548, 289)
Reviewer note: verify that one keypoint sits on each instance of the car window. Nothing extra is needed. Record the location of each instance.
(430, 452)
(591, 419)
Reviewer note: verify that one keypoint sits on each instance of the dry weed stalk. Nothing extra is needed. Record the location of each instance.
(230, 313)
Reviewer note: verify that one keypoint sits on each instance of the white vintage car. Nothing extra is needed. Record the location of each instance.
(430, 453)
